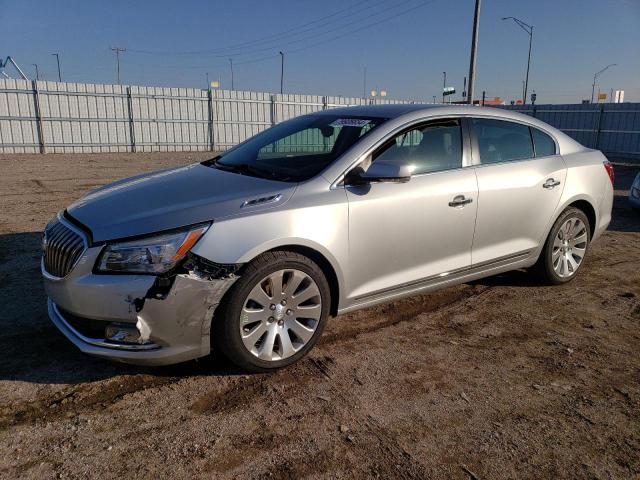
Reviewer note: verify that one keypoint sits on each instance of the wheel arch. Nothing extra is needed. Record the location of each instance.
(324, 264)
(317, 254)
(587, 208)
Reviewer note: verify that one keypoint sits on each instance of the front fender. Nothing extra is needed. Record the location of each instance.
(322, 228)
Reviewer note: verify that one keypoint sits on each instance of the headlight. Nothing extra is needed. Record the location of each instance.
(152, 254)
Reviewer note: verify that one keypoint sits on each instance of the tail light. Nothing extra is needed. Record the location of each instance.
(608, 166)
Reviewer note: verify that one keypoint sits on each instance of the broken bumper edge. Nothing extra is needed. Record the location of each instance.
(173, 329)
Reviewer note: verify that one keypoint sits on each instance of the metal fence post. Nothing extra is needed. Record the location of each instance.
(273, 110)
(325, 103)
(132, 129)
(39, 126)
(210, 123)
(533, 114)
(599, 126)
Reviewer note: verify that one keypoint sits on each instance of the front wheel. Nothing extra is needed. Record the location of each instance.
(275, 312)
(565, 248)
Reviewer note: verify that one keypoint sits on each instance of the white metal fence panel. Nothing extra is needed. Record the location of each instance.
(55, 117)
(18, 130)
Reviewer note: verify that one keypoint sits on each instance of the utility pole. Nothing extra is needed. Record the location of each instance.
(231, 65)
(483, 95)
(529, 29)
(464, 89)
(597, 74)
(474, 51)
(281, 72)
(37, 73)
(364, 84)
(444, 84)
(57, 55)
(208, 84)
(118, 50)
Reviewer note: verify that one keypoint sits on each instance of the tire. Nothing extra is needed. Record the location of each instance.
(565, 248)
(260, 327)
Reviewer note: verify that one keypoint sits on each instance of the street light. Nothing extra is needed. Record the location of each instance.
(597, 74)
(444, 84)
(529, 29)
(57, 55)
(281, 71)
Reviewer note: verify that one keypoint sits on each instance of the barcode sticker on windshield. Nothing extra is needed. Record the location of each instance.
(349, 122)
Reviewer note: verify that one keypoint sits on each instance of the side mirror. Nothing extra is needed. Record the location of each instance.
(387, 172)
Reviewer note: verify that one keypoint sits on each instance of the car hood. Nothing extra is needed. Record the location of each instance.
(172, 198)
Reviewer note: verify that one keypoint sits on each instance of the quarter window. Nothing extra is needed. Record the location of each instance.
(501, 141)
(429, 148)
(545, 145)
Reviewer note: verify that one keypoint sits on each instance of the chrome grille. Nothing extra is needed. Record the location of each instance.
(61, 248)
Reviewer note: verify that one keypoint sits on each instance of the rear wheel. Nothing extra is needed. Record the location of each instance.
(274, 314)
(565, 248)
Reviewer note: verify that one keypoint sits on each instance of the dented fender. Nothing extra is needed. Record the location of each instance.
(184, 315)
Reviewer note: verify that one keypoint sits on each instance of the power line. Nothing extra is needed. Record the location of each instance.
(310, 37)
(328, 40)
(290, 32)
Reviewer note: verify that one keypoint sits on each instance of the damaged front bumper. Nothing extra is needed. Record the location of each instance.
(128, 319)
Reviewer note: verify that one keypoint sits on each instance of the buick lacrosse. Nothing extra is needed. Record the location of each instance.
(250, 252)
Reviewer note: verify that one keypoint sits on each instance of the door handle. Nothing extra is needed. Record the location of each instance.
(550, 183)
(459, 201)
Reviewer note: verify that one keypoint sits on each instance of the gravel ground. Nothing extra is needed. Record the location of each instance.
(502, 378)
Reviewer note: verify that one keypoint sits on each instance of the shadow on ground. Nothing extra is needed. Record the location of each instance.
(34, 350)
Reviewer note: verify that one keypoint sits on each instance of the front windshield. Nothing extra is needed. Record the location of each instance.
(297, 149)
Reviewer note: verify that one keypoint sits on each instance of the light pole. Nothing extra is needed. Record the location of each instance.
(474, 50)
(37, 73)
(281, 71)
(364, 84)
(444, 84)
(231, 65)
(57, 55)
(597, 74)
(529, 29)
(118, 50)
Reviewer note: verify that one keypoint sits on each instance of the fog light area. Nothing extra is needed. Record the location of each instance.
(122, 333)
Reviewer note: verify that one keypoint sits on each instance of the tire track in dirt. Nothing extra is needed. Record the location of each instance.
(400, 311)
(242, 392)
(86, 398)
(392, 460)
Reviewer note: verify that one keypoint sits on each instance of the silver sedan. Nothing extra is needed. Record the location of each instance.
(250, 252)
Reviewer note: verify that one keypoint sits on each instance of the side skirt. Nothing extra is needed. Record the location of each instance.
(448, 279)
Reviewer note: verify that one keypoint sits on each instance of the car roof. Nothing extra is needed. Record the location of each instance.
(399, 109)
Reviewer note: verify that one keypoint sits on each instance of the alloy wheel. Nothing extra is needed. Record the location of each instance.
(280, 315)
(569, 247)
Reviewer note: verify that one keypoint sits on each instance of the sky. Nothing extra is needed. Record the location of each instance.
(405, 45)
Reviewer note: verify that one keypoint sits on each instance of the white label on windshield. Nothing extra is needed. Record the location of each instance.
(349, 122)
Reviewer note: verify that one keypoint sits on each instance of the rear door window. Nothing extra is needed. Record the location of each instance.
(544, 144)
(502, 141)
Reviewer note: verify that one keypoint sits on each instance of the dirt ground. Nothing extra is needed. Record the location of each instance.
(502, 378)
